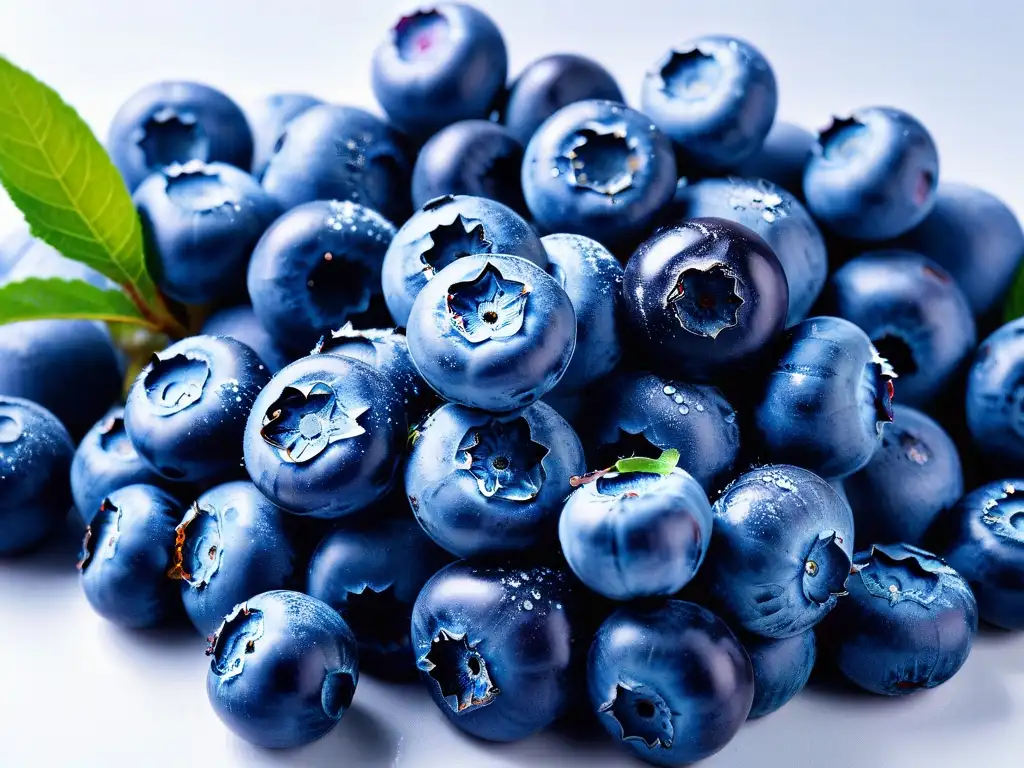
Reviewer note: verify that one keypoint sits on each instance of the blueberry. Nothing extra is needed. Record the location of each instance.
(439, 65)
(671, 683)
(186, 410)
(995, 396)
(35, 496)
(982, 537)
(911, 479)
(781, 669)
(371, 573)
(480, 483)
(269, 119)
(592, 278)
(171, 123)
(444, 230)
(324, 438)
(780, 551)
(600, 169)
(636, 534)
(126, 555)
(827, 399)
(782, 158)
(241, 324)
(872, 175)
(318, 267)
(636, 412)
(231, 544)
(907, 624)
(549, 83)
(492, 332)
(705, 296)
(201, 223)
(283, 669)
(494, 647)
(341, 153)
(42, 360)
(778, 217)
(975, 237)
(715, 97)
(915, 314)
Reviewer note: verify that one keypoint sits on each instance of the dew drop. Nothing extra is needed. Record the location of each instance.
(527, 605)
(684, 409)
(669, 389)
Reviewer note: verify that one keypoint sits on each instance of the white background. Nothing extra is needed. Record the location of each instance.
(77, 692)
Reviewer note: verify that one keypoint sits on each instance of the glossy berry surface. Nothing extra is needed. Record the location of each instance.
(481, 483)
(671, 684)
(170, 123)
(636, 534)
(187, 409)
(914, 313)
(283, 669)
(704, 296)
(774, 214)
(126, 554)
(35, 497)
(600, 169)
(317, 268)
(494, 646)
(872, 175)
(230, 545)
(781, 669)
(716, 97)
(995, 396)
(447, 229)
(439, 65)
(325, 436)
(782, 157)
(269, 118)
(780, 551)
(492, 332)
(241, 324)
(913, 477)
(201, 223)
(907, 625)
(827, 399)
(332, 152)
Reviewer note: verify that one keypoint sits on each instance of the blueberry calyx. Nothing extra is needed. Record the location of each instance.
(175, 383)
(488, 306)
(305, 420)
(1005, 519)
(169, 136)
(909, 574)
(106, 524)
(691, 74)
(11, 427)
(602, 158)
(842, 138)
(114, 439)
(826, 569)
(505, 460)
(706, 301)
(195, 188)
(197, 536)
(460, 671)
(448, 242)
(234, 640)
(418, 35)
(642, 714)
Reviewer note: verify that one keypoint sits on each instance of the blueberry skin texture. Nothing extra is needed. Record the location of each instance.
(438, 66)
(643, 414)
(671, 683)
(127, 552)
(200, 223)
(269, 118)
(615, 172)
(175, 122)
(912, 478)
(316, 268)
(325, 437)
(186, 411)
(283, 671)
(592, 278)
(470, 157)
(41, 359)
(872, 175)
(994, 413)
(231, 544)
(492, 332)
(241, 324)
(899, 641)
(636, 535)
(774, 214)
(549, 83)
(782, 157)
(827, 399)
(341, 153)
(780, 551)
(482, 484)
(705, 296)
(371, 573)
(781, 669)
(34, 492)
(914, 313)
(494, 647)
(444, 230)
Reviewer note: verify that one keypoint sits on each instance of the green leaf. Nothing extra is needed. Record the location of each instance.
(1014, 307)
(663, 465)
(52, 298)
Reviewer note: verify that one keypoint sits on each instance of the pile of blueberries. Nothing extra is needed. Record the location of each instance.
(469, 400)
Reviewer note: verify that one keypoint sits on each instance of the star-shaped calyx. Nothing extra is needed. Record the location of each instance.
(602, 158)
(826, 569)
(504, 459)
(1005, 514)
(447, 242)
(198, 547)
(173, 384)
(488, 306)
(691, 75)
(101, 535)
(11, 428)
(842, 138)
(306, 419)
(642, 716)
(419, 34)
(706, 301)
(901, 572)
(460, 671)
(237, 637)
(170, 136)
